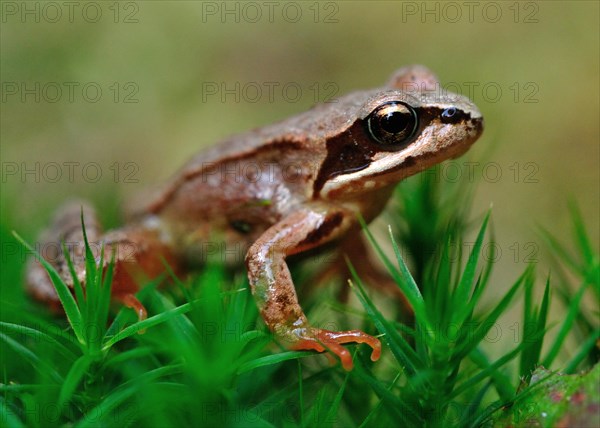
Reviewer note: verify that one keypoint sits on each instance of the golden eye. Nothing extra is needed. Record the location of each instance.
(393, 123)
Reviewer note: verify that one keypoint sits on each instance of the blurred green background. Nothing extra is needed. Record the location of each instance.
(531, 67)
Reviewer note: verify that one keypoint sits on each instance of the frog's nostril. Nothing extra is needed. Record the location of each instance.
(448, 113)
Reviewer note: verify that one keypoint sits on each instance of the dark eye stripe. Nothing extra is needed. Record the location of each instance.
(353, 149)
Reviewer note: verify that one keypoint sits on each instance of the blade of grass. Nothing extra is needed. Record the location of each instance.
(410, 289)
(501, 381)
(139, 352)
(76, 373)
(273, 359)
(461, 351)
(314, 414)
(475, 296)
(580, 235)
(119, 396)
(180, 326)
(251, 335)
(461, 295)
(560, 250)
(486, 372)
(583, 351)
(91, 274)
(376, 409)
(473, 406)
(94, 293)
(20, 388)
(402, 351)
(38, 335)
(145, 324)
(288, 392)
(534, 326)
(406, 283)
(483, 419)
(81, 303)
(300, 394)
(335, 405)
(39, 364)
(565, 327)
(8, 417)
(102, 308)
(62, 290)
(395, 404)
(541, 323)
(438, 300)
(487, 271)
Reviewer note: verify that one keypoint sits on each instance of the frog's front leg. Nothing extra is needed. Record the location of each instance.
(274, 290)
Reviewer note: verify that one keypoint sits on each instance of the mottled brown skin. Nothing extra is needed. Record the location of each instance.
(284, 189)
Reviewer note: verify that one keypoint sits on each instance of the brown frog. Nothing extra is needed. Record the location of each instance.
(278, 191)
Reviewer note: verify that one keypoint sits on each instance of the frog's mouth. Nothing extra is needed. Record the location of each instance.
(438, 138)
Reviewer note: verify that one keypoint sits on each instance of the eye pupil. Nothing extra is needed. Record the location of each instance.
(392, 124)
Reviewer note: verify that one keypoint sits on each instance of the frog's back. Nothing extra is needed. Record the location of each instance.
(295, 137)
(315, 125)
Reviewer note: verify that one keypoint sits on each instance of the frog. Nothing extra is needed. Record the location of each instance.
(275, 192)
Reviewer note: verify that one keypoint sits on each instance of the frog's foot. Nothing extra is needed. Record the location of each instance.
(132, 302)
(326, 340)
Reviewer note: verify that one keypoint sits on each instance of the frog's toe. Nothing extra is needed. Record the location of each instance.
(322, 340)
(130, 301)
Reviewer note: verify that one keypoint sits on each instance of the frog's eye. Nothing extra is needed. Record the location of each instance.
(393, 123)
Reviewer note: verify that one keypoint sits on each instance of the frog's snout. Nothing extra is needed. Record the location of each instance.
(477, 125)
(475, 122)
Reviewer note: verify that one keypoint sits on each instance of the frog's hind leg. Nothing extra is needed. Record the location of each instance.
(139, 253)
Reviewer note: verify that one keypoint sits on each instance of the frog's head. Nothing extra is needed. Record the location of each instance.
(398, 131)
